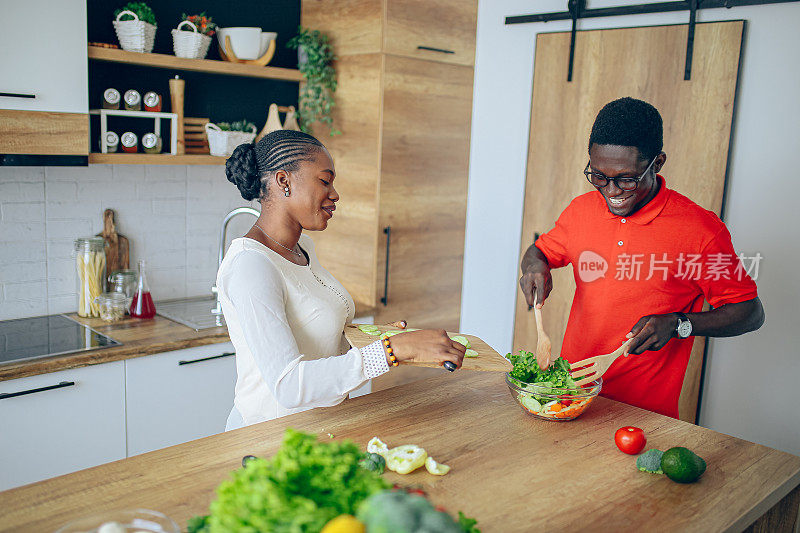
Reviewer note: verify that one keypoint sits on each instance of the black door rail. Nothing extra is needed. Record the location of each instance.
(576, 10)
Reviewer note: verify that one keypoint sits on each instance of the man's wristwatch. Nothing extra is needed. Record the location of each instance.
(684, 327)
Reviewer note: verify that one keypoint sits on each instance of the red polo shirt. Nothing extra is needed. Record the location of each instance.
(666, 257)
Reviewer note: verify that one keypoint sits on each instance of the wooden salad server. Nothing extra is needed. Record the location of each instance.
(592, 368)
(543, 345)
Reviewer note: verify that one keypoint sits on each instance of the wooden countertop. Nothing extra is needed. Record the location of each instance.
(138, 338)
(510, 470)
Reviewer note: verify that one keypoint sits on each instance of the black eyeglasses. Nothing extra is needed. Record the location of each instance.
(626, 184)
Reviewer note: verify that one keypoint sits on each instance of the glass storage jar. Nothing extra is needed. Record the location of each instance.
(123, 281)
(112, 306)
(90, 261)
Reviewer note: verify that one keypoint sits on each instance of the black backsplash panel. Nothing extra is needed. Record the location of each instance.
(220, 98)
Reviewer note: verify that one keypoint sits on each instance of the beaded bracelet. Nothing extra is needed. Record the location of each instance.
(392, 358)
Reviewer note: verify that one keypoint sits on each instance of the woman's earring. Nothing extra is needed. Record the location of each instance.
(286, 191)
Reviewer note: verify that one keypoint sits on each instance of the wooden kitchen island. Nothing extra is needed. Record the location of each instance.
(510, 470)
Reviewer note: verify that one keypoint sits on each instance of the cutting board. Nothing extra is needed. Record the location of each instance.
(487, 360)
(194, 135)
(117, 246)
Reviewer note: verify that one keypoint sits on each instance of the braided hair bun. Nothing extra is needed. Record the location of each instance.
(242, 171)
(281, 149)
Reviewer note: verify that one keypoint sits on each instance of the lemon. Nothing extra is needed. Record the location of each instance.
(435, 468)
(344, 523)
(376, 445)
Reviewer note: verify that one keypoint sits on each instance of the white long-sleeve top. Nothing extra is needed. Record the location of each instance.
(286, 322)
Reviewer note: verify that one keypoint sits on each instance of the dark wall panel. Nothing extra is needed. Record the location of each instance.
(217, 97)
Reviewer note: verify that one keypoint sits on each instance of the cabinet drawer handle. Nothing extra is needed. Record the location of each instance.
(18, 95)
(226, 354)
(442, 50)
(61, 385)
(385, 299)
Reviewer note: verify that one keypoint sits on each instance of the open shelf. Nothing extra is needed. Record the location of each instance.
(155, 159)
(199, 65)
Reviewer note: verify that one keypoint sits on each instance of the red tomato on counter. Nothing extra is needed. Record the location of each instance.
(630, 440)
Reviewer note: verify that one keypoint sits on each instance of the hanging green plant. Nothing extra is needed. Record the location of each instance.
(315, 58)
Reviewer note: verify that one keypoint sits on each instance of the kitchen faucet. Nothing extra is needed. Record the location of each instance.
(222, 233)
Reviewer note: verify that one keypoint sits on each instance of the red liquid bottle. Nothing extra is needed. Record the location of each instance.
(142, 305)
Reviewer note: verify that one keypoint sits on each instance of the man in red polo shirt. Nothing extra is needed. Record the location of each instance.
(664, 255)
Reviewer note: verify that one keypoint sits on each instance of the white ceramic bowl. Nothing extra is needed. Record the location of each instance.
(245, 41)
(266, 38)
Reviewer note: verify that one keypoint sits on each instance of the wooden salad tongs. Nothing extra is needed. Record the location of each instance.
(592, 368)
(544, 347)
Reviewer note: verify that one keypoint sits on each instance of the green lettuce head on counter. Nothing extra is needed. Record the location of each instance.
(303, 486)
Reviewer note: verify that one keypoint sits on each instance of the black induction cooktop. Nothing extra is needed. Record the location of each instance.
(45, 336)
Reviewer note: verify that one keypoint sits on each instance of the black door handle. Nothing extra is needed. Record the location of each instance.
(18, 95)
(385, 300)
(61, 385)
(220, 356)
(442, 50)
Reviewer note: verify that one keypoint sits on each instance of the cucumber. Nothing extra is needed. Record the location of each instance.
(530, 403)
(461, 340)
(470, 353)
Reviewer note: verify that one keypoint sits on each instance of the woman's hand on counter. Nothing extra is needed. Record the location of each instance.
(427, 346)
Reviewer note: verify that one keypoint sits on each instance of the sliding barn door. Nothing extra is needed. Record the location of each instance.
(646, 63)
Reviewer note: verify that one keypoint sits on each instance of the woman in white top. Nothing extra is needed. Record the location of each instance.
(286, 313)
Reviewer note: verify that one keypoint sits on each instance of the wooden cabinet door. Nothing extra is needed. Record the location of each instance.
(427, 110)
(178, 396)
(437, 31)
(55, 431)
(347, 247)
(353, 26)
(646, 63)
(441, 31)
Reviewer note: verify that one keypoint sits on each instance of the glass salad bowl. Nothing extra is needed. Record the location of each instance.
(543, 401)
(122, 521)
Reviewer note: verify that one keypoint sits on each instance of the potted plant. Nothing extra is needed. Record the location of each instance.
(224, 137)
(315, 58)
(135, 24)
(192, 37)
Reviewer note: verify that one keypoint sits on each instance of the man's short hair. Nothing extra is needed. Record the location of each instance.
(629, 122)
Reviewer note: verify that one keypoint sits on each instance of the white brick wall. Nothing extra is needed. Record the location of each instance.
(170, 214)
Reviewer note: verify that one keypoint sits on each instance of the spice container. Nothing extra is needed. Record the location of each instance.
(152, 101)
(112, 142)
(123, 282)
(90, 260)
(111, 305)
(133, 100)
(130, 142)
(151, 143)
(111, 98)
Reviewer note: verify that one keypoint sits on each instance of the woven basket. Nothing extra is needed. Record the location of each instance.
(190, 44)
(135, 35)
(223, 143)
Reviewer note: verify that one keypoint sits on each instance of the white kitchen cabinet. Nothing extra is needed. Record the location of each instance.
(175, 397)
(75, 419)
(44, 89)
(45, 55)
